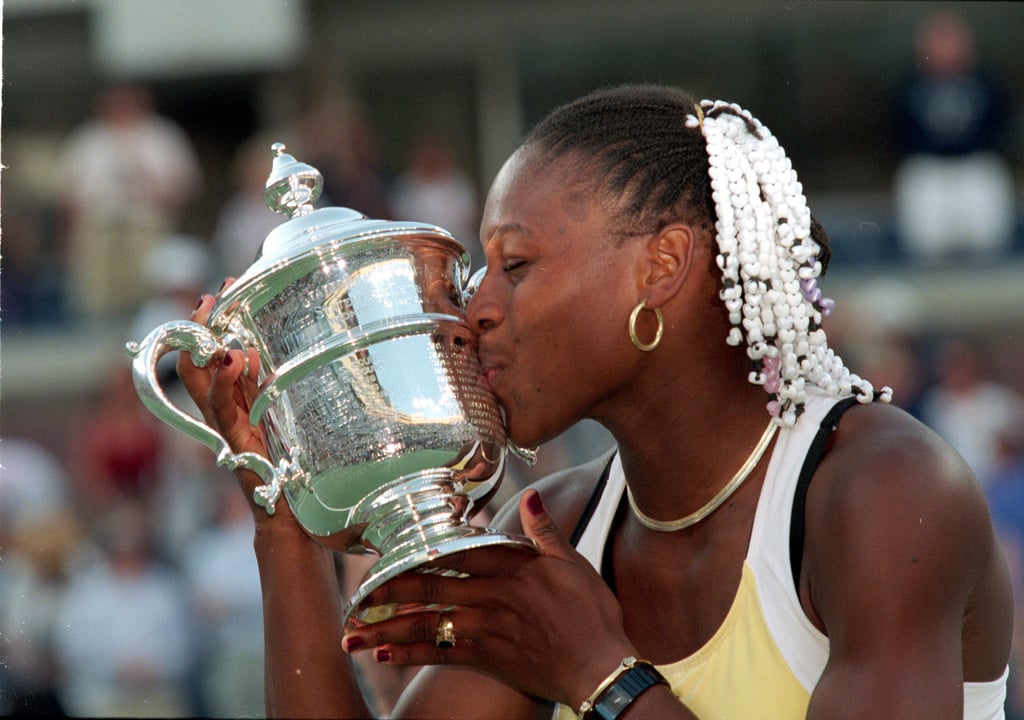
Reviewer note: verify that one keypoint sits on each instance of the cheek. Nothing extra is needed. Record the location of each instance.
(569, 356)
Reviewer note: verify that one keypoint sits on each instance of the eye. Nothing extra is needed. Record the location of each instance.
(511, 266)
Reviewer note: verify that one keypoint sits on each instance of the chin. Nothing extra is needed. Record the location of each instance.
(526, 435)
(516, 432)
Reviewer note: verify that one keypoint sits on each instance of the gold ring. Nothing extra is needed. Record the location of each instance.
(444, 638)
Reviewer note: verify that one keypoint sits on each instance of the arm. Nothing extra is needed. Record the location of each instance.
(899, 557)
(307, 674)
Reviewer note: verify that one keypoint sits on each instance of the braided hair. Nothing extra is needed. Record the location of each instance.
(662, 157)
(636, 139)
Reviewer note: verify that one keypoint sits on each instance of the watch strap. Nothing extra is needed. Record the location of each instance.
(634, 679)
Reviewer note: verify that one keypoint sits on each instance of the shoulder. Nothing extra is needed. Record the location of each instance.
(892, 511)
(565, 494)
(887, 473)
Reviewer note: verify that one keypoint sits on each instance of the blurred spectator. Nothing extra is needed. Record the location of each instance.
(967, 407)
(32, 483)
(338, 142)
(245, 220)
(122, 635)
(893, 362)
(186, 497)
(176, 270)
(125, 176)
(32, 290)
(39, 544)
(953, 190)
(223, 587)
(879, 333)
(434, 189)
(116, 447)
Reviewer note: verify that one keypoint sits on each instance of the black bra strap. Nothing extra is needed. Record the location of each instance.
(592, 503)
(814, 456)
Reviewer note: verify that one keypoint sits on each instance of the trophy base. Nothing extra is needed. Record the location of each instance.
(475, 537)
(418, 520)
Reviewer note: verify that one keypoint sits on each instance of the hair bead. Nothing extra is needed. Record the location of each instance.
(764, 238)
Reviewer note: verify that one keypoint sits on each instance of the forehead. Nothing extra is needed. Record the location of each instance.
(531, 190)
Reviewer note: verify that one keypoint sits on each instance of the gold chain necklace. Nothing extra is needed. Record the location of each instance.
(715, 502)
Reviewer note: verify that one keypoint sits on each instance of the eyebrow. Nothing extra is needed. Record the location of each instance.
(509, 228)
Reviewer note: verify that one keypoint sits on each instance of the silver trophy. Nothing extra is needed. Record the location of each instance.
(381, 434)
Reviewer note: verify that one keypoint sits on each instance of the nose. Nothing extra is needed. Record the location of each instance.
(483, 310)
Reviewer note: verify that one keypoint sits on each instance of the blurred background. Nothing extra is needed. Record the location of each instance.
(135, 143)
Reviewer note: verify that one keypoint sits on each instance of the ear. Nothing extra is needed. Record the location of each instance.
(669, 257)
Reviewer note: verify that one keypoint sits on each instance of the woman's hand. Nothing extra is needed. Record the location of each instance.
(544, 623)
(223, 391)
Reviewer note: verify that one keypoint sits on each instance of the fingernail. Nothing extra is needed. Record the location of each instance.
(200, 303)
(534, 505)
(382, 655)
(226, 362)
(223, 284)
(353, 643)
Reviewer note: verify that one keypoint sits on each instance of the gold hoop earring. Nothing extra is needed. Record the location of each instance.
(645, 347)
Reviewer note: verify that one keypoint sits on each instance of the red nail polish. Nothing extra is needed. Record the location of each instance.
(382, 655)
(534, 505)
(354, 643)
(226, 362)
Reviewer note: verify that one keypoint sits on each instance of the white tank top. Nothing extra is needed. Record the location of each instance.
(767, 657)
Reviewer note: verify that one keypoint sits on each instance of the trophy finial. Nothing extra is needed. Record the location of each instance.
(293, 186)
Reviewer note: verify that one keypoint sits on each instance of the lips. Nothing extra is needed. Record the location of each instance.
(491, 366)
(488, 376)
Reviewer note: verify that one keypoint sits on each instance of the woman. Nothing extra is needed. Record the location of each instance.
(652, 265)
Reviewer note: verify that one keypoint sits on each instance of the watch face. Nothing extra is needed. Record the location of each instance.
(627, 688)
(613, 703)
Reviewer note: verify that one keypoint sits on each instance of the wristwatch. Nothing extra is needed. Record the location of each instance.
(628, 686)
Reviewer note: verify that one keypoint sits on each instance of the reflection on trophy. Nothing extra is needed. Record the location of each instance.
(381, 435)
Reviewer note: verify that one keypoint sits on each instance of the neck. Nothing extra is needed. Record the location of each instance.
(679, 450)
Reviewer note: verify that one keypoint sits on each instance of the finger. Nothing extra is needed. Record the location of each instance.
(202, 311)
(200, 315)
(485, 562)
(427, 589)
(540, 528)
(229, 413)
(186, 368)
(413, 627)
(410, 640)
(197, 379)
(253, 364)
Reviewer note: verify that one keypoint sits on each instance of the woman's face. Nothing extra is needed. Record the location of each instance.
(552, 309)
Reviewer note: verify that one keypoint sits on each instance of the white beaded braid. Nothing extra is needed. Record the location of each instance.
(769, 263)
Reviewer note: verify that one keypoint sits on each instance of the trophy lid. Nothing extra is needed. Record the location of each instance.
(311, 236)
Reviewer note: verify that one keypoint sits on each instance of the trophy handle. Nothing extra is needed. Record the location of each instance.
(202, 345)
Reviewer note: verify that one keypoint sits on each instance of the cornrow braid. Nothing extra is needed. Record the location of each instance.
(669, 158)
(635, 135)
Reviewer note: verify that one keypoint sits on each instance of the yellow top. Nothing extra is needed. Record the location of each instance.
(742, 663)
